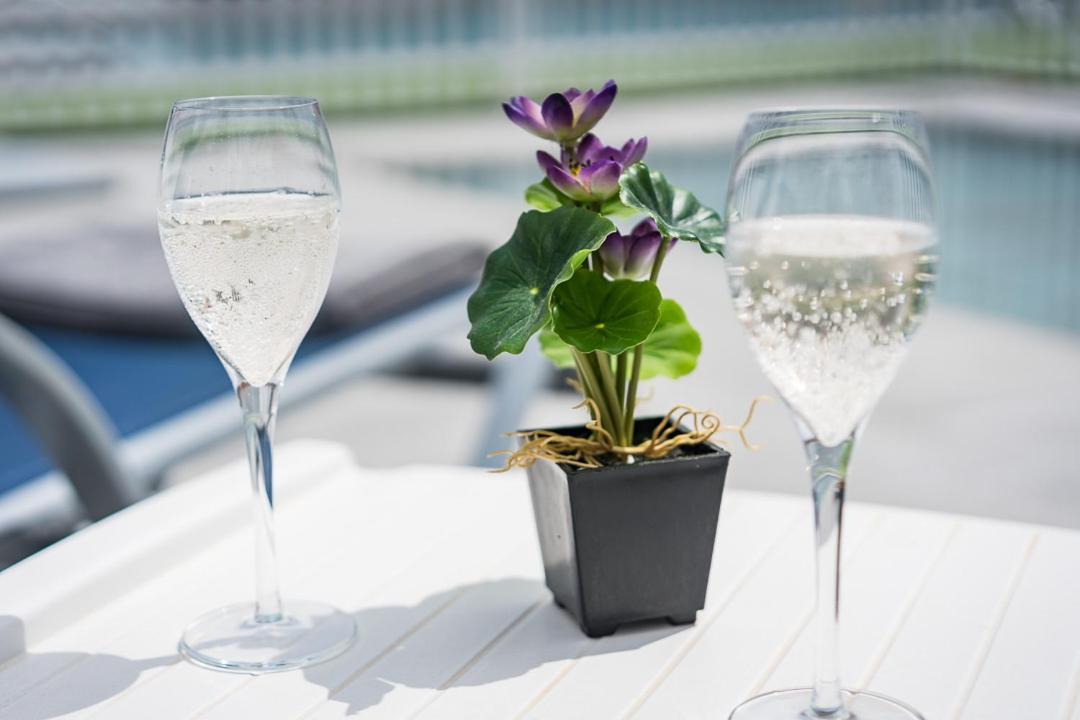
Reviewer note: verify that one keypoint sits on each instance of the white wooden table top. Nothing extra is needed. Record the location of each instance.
(960, 617)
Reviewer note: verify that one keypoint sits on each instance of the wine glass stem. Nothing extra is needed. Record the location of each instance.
(259, 405)
(828, 471)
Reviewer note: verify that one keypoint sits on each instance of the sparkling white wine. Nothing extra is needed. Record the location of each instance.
(830, 303)
(252, 270)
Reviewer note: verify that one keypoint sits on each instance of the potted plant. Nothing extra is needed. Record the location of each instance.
(626, 508)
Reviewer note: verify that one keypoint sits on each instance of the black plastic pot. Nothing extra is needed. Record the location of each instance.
(623, 542)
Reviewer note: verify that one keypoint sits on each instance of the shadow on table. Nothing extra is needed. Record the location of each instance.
(470, 635)
(432, 644)
(99, 676)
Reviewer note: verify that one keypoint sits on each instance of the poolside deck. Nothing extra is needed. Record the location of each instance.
(982, 418)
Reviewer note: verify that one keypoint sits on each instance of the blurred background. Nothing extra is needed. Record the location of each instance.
(107, 393)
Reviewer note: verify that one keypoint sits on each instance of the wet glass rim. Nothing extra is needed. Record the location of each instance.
(770, 123)
(854, 111)
(245, 103)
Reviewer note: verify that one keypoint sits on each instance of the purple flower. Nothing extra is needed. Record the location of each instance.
(563, 117)
(590, 150)
(631, 256)
(594, 183)
(590, 173)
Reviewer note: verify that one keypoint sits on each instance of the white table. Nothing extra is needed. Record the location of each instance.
(961, 617)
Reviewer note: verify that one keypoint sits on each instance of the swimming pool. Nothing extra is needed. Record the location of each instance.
(1010, 211)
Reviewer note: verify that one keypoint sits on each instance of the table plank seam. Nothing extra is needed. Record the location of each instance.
(37, 682)
(139, 561)
(177, 540)
(105, 644)
(426, 620)
(871, 528)
(1070, 708)
(147, 679)
(471, 662)
(988, 641)
(978, 619)
(10, 662)
(710, 618)
(104, 707)
(808, 615)
(905, 613)
(312, 495)
(571, 663)
(382, 654)
(403, 569)
(309, 496)
(548, 687)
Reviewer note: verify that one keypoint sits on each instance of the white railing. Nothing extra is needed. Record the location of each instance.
(121, 61)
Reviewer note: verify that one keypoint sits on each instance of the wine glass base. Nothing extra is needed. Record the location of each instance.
(231, 639)
(795, 705)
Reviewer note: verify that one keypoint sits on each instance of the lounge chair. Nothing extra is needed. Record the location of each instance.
(115, 383)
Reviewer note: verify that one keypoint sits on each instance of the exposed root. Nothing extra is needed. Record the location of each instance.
(592, 451)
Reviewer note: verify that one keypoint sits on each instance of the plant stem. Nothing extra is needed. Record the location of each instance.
(620, 376)
(631, 395)
(602, 362)
(593, 389)
(661, 253)
(635, 371)
(584, 387)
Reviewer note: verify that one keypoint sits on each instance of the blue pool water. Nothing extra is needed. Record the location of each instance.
(1010, 212)
(138, 381)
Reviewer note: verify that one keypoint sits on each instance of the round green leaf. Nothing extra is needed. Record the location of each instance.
(614, 207)
(544, 197)
(512, 301)
(677, 212)
(673, 348)
(555, 349)
(593, 313)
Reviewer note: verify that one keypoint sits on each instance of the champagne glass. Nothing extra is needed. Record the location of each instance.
(248, 218)
(831, 262)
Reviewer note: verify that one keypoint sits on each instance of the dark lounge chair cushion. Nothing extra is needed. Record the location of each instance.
(115, 279)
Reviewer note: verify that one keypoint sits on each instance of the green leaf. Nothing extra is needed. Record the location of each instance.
(512, 301)
(544, 197)
(673, 348)
(614, 207)
(677, 212)
(555, 349)
(592, 313)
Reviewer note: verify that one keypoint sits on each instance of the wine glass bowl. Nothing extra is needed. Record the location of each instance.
(831, 254)
(248, 218)
(248, 213)
(831, 262)
(830, 302)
